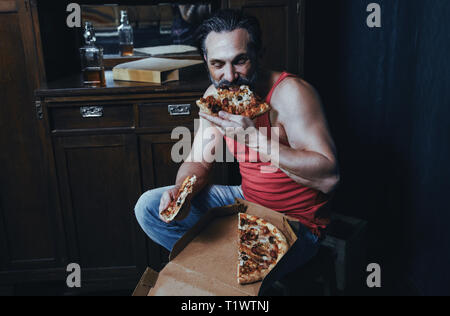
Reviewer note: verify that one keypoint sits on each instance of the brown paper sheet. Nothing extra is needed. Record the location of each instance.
(205, 261)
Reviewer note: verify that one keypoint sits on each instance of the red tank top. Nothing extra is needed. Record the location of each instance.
(276, 190)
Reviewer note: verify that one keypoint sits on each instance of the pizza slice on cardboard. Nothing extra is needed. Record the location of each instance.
(261, 247)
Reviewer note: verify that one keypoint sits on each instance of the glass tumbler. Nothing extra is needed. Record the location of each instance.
(92, 66)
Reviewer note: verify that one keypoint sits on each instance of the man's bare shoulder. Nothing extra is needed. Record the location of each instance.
(296, 96)
(294, 86)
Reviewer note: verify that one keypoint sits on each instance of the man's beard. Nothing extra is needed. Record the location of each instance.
(240, 81)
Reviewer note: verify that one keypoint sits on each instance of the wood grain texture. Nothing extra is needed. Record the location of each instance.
(156, 116)
(113, 116)
(100, 184)
(29, 208)
(279, 22)
(8, 6)
(73, 86)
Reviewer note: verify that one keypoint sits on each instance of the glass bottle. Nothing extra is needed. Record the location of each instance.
(126, 41)
(92, 59)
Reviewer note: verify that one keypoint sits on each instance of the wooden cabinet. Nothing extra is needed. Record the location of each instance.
(158, 168)
(282, 24)
(99, 185)
(31, 235)
(110, 146)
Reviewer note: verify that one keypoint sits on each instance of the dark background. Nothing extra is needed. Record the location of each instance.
(386, 92)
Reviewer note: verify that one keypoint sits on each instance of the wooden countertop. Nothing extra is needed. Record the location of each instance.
(73, 86)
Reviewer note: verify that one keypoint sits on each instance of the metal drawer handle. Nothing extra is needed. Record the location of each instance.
(180, 109)
(91, 111)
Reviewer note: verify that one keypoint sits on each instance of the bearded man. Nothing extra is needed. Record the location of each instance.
(305, 172)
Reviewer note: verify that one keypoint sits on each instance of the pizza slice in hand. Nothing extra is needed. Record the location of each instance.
(172, 211)
(240, 101)
(261, 247)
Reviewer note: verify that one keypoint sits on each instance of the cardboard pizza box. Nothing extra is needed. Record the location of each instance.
(204, 261)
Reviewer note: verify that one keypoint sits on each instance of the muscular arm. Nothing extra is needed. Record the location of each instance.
(195, 164)
(198, 162)
(311, 158)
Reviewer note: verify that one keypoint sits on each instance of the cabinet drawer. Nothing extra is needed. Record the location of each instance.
(167, 115)
(91, 116)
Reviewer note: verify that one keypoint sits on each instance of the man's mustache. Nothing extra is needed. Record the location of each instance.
(241, 81)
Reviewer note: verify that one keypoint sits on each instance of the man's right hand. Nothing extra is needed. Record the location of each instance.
(169, 196)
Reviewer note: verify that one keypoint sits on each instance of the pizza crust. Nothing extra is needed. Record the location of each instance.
(249, 278)
(172, 211)
(204, 107)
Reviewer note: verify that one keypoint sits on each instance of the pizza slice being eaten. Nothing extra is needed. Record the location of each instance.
(172, 211)
(261, 247)
(237, 101)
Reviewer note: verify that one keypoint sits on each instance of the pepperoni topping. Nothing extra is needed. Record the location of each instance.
(216, 108)
(252, 235)
(258, 251)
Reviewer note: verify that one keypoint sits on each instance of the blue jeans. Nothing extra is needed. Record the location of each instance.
(166, 235)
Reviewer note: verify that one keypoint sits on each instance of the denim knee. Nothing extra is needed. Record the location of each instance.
(147, 210)
(147, 215)
(147, 204)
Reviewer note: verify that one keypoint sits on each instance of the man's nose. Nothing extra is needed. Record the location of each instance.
(229, 74)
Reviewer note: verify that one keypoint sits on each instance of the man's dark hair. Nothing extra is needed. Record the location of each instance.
(227, 21)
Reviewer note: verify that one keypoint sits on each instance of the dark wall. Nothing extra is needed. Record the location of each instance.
(387, 96)
(60, 44)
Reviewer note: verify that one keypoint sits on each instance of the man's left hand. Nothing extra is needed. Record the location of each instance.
(235, 125)
(229, 121)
